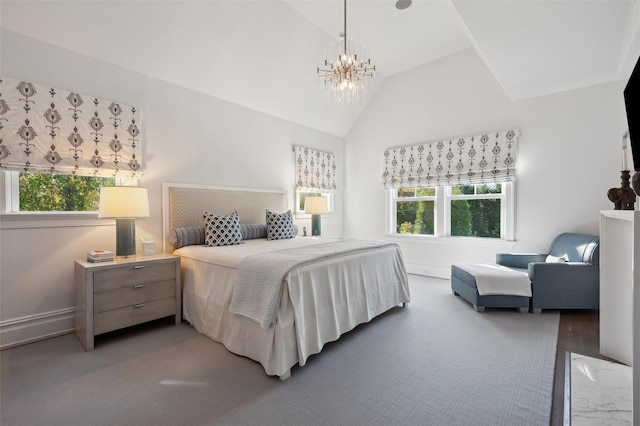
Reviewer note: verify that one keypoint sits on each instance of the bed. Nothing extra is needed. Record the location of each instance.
(330, 287)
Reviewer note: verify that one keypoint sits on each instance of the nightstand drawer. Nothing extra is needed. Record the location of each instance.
(131, 315)
(133, 295)
(109, 279)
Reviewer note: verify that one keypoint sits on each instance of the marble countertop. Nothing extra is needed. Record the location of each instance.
(601, 392)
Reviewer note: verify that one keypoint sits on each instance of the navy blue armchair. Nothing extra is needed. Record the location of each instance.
(570, 284)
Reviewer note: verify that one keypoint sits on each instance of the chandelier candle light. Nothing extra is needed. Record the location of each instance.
(347, 70)
(623, 198)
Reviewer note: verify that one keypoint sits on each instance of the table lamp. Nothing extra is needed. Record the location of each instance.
(315, 206)
(124, 203)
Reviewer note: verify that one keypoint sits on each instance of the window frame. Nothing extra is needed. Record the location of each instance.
(301, 213)
(10, 199)
(394, 216)
(442, 213)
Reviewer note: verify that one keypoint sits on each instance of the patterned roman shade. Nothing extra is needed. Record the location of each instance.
(471, 160)
(48, 130)
(315, 170)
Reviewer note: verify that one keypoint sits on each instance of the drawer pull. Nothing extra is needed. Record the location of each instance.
(139, 305)
(138, 267)
(138, 286)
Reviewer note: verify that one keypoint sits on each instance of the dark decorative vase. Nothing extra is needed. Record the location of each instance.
(624, 198)
(635, 182)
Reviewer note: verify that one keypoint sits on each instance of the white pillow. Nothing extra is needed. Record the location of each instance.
(556, 259)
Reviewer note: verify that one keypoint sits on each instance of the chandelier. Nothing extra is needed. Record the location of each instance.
(345, 72)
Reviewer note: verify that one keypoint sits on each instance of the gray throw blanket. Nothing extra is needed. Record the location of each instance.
(260, 277)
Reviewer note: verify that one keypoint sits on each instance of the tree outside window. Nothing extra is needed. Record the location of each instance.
(301, 196)
(479, 216)
(415, 211)
(471, 210)
(40, 192)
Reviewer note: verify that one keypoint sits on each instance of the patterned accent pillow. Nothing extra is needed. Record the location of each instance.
(252, 231)
(187, 236)
(221, 230)
(280, 226)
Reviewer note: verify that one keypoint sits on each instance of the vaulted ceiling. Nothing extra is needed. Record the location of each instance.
(263, 54)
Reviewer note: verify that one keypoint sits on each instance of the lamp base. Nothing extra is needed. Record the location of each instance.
(125, 237)
(315, 225)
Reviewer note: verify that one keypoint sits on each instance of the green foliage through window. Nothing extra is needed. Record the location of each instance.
(476, 217)
(416, 192)
(302, 196)
(415, 217)
(474, 210)
(45, 192)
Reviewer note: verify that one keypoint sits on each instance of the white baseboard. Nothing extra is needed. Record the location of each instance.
(428, 270)
(32, 328)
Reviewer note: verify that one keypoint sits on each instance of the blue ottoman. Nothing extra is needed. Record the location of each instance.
(463, 283)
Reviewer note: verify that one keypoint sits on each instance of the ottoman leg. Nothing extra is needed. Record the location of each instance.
(478, 308)
(523, 310)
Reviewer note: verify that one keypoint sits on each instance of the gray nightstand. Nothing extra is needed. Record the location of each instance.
(128, 291)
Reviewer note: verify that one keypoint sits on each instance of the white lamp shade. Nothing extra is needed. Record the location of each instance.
(123, 201)
(315, 205)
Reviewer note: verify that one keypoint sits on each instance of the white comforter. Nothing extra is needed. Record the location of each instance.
(319, 302)
(260, 277)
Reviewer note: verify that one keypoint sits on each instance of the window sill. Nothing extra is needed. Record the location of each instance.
(303, 215)
(453, 241)
(51, 220)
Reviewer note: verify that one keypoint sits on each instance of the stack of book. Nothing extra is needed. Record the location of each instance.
(100, 256)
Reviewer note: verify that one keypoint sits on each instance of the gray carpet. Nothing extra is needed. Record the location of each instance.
(436, 362)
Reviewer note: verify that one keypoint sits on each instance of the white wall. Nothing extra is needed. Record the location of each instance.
(569, 154)
(187, 137)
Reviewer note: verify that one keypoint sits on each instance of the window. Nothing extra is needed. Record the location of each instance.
(459, 201)
(475, 210)
(43, 192)
(415, 211)
(481, 211)
(315, 174)
(300, 197)
(50, 132)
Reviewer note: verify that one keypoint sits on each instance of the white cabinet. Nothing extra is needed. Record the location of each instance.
(620, 292)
